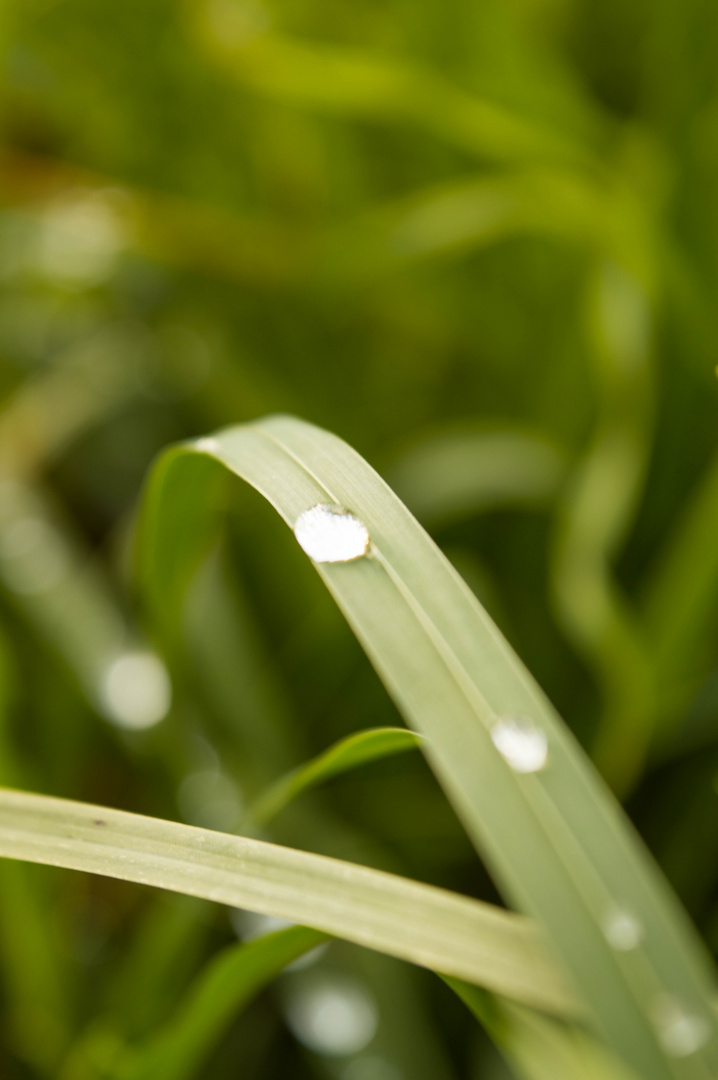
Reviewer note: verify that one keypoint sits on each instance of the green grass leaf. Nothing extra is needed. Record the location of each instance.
(555, 840)
(227, 984)
(536, 1047)
(427, 926)
(349, 753)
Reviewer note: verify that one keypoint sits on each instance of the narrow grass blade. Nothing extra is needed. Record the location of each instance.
(536, 1047)
(419, 923)
(355, 750)
(554, 839)
(681, 599)
(224, 988)
(455, 474)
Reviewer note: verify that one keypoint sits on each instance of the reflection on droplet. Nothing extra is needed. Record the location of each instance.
(136, 691)
(330, 533)
(622, 931)
(206, 445)
(332, 1015)
(210, 799)
(680, 1033)
(521, 742)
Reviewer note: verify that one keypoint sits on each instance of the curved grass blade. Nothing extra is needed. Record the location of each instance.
(355, 750)
(555, 840)
(427, 926)
(681, 599)
(226, 985)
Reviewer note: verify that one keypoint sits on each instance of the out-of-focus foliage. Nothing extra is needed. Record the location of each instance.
(479, 241)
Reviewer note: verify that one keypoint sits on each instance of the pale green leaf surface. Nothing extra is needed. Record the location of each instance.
(556, 841)
(427, 926)
(349, 753)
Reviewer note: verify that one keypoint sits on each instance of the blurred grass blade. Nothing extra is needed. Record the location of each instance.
(454, 474)
(681, 598)
(227, 984)
(355, 750)
(555, 839)
(419, 923)
(536, 1047)
(353, 82)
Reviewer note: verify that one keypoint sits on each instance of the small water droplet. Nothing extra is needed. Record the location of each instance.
(622, 931)
(206, 445)
(680, 1032)
(521, 742)
(329, 533)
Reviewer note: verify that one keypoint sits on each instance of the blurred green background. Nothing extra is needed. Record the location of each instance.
(479, 241)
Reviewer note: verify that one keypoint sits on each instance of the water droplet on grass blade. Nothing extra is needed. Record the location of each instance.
(330, 533)
(622, 931)
(680, 1033)
(206, 445)
(521, 743)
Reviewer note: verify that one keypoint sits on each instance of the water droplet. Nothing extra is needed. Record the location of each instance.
(521, 742)
(331, 1014)
(680, 1033)
(206, 445)
(329, 533)
(622, 931)
(136, 691)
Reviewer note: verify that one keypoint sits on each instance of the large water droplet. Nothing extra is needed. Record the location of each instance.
(521, 742)
(622, 931)
(331, 1014)
(329, 533)
(680, 1032)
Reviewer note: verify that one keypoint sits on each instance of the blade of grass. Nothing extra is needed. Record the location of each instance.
(555, 841)
(226, 985)
(355, 750)
(537, 1048)
(419, 923)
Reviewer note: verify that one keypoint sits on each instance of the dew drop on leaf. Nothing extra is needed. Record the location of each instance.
(622, 931)
(680, 1033)
(330, 533)
(521, 743)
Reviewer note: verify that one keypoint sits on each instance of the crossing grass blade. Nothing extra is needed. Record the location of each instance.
(555, 840)
(219, 993)
(419, 923)
(349, 753)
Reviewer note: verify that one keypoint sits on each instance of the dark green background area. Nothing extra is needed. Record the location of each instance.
(463, 235)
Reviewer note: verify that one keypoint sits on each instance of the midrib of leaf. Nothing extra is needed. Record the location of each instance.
(419, 923)
(305, 466)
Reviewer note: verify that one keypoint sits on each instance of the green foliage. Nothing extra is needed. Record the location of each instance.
(478, 242)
